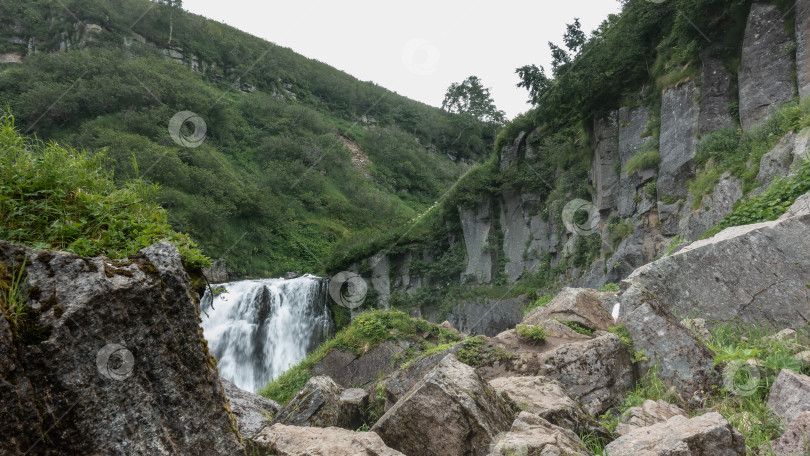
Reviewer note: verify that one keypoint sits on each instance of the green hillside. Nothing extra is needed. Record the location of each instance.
(272, 187)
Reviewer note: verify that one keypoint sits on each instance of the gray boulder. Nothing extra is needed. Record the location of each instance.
(252, 412)
(647, 414)
(580, 305)
(595, 371)
(705, 435)
(88, 362)
(679, 128)
(452, 411)
(794, 441)
(397, 385)
(531, 434)
(547, 399)
(766, 75)
(282, 440)
(316, 405)
(348, 369)
(790, 395)
(756, 273)
(682, 360)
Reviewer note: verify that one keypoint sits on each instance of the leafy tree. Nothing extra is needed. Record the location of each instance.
(534, 80)
(473, 99)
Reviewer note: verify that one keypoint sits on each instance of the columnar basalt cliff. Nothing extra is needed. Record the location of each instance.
(642, 210)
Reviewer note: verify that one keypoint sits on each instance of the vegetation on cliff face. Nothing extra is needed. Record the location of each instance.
(297, 156)
(55, 197)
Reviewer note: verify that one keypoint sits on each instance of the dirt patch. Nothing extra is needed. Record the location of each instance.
(359, 158)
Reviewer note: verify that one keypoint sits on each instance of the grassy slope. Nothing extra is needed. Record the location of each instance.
(272, 187)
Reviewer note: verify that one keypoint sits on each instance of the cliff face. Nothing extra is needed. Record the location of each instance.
(107, 358)
(652, 205)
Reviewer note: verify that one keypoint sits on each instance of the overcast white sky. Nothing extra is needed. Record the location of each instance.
(419, 47)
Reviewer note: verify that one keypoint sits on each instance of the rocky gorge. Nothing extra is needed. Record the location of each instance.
(158, 392)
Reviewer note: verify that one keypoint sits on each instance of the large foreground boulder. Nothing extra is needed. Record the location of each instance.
(252, 412)
(108, 358)
(681, 359)
(317, 405)
(596, 371)
(790, 395)
(756, 273)
(452, 411)
(647, 414)
(282, 440)
(547, 399)
(795, 441)
(532, 435)
(705, 435)
(579, 305)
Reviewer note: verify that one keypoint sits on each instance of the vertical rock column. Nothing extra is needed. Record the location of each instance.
(476, 225)
(802, 44)
(606, 155)
(766, 76)
(679, 126)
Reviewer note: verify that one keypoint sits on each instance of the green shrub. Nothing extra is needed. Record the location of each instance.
(648, 159)
(475, 352)
(577, 327)
(541, 301)
(610, 287)
(770, 204)
(531, 333)
(55, 197)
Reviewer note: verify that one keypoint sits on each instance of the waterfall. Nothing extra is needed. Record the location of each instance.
(259, 328)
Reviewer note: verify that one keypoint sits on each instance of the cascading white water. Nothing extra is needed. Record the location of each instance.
(259, 328)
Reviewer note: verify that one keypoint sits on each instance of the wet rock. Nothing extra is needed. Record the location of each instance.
(252, 412)
(705, 435)
(316, 405)
(282, 440)
(452, 411)
(790, 395)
